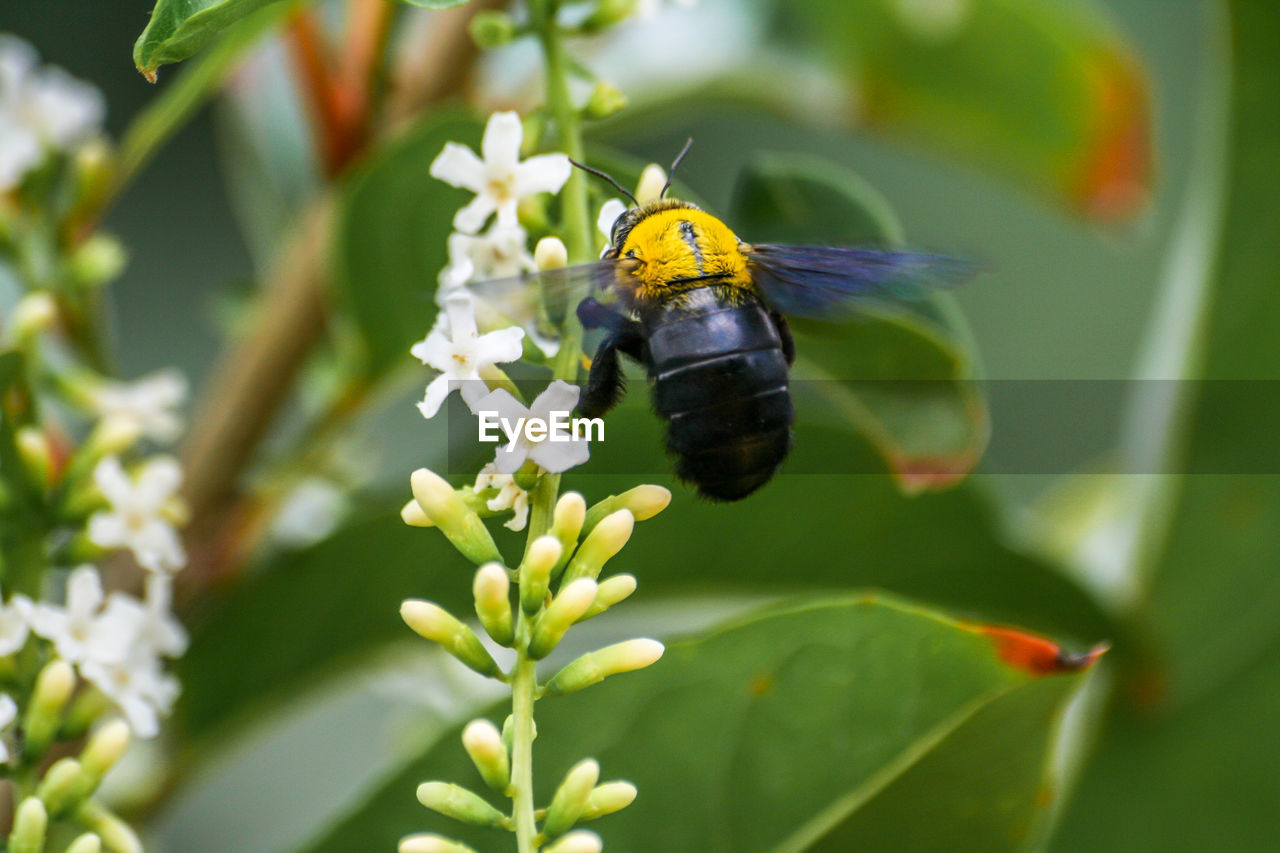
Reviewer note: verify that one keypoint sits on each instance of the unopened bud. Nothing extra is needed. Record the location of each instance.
(571, 798)
(608, 798)
(578, 841)
(412, 515)
(34, 448)
(87, 843)
(490, 29)
(493, 605)
(566, 525)
(104, 749)
(600, 545)
(53, 688)
(455, 519)
(594, 667)
(29, 824)
(608, 13)
(550, 254)
(535, 572)
(605, 100)
(62, 787)
(483, 743)
(565, 609)
(652, 181)
(644, 502)
(33, 314)
(115, 834)
(609, 592)
(458, 803)
(97, 261)
(439, 626)
(431, 843)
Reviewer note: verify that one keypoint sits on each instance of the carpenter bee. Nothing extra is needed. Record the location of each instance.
(706, 315)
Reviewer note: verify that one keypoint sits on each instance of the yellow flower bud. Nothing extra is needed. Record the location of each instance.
(33, 314)
(483, 742)
(87, 843)
(491, 29)
(608, 798)
(63, 786)
(29, 825)
(605, 100)
(53, 688)
(644, 502)
(565, 609)
(104, 749)
(412, 515)
(600, 545)
(456, 520)
(609, 592)
(431, 843)
(458, 803)
(115, 834)
(535, 572)
(652, 180)
(491, 589)
(438, 625)
(570, 799)
(566, 524)
(579, 841)
(550, 254)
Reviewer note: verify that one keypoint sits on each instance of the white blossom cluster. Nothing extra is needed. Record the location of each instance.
(42, 110)
(455, 347)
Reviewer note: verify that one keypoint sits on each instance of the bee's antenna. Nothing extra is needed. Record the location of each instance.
(675, 164)
(599, 174)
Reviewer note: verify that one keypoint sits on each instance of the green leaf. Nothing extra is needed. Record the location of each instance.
(390, 241)
(903, 379)
(179, 29)
(809, 724)
(1191, 738)
(1048, 94)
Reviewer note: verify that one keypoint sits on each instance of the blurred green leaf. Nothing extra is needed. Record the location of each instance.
(902, 378)
(178, 102)
(179, 29)
(1191, 739)
(808, 724)
(390, 240)
(1047, 93)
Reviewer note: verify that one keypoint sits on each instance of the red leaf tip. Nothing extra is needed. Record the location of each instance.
(1037, 655)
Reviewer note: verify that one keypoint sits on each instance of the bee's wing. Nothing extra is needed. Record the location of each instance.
(535, 300)
(814, 281)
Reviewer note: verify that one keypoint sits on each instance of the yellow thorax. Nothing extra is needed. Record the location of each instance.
(682, 248)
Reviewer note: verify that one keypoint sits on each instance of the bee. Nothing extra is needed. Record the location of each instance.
(705, 314)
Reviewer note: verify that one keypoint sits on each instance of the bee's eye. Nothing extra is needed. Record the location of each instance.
(631, 254)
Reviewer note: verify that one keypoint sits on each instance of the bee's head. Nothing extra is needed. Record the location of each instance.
(633, 216)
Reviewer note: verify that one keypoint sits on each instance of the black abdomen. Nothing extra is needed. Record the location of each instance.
(720, 380)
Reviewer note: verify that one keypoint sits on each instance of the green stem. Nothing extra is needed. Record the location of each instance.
(523, 688)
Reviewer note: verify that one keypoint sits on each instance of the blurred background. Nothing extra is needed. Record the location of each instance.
(1089, 255)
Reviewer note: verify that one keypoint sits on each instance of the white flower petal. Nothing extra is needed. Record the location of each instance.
(559, 456)
(559, 396)
(501, 144)
(461, 311)
(158, 481)
(107, 530)
(545, 173)
(501, 346)
(434, 397)
(84, 592)
(471, 218)
(112, 481)
(459, 166)
(509, 459)
(609, 213)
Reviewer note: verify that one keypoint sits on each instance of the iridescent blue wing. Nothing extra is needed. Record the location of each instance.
(536, 301)
(815, 281)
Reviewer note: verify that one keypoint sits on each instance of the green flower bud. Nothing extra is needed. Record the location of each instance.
(97, 261)
(608, 798)
(104, 749)
(36, 454)
(439, 626)
(53, 689)
(431, 843)
(493, 606)
(609, 592)
(644, 502)
(566, 525)
(33, 314)
(412, 515)
(483, 742)
(601, 544)
(579, 841)
(460, 804)
(571, 798)
(565, 609)
(594, 667)
(605, 100)
(606, 14)
(490, 29)
(115, 834)
(459, 522)
(29, 825)
(86, 709)
(535, 572)
(649, 188)
(63, 787)
(526, 476)
(87, 843)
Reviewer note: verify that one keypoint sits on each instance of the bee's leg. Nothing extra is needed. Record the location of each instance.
(605, 382)
(594, 315)
(784, 332)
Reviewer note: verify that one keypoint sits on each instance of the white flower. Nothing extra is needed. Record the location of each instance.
(138, 686)
(135, 520)
(158, 631)
(500, 180)
(609, 213)
(555, 456)
(309, 513)
(15, 621)
(510, 496)
(8, 713)
(501, 253)
(83, 630)
(459, 352)
(146, 406)
(39, 107)
(650, 8)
